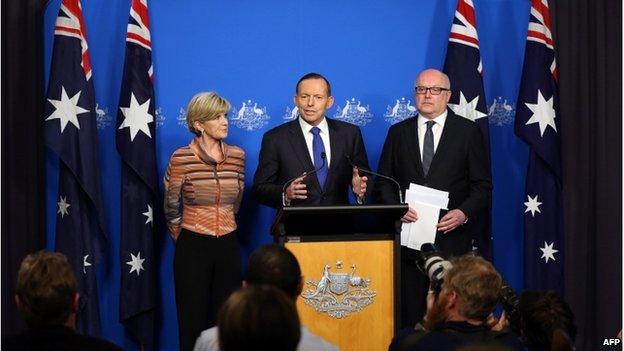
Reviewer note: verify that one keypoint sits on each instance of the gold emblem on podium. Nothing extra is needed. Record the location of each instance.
(338, 293)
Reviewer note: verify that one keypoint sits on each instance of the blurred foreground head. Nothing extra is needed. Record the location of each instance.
(258, 317)
(46, 292)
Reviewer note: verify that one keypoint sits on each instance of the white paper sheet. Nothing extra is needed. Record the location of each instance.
(427, 202)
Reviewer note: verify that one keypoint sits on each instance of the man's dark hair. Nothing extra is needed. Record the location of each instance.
(46, 288)
(275, 265)
(541, 314)
(258, 317)
(313, 75)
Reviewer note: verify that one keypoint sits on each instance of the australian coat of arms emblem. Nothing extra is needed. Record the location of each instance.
(338, 294)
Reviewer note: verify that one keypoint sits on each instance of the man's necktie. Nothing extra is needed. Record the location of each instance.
(428, 148)
(319, 163)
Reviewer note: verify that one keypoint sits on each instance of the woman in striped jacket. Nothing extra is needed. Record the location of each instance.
(203, 189)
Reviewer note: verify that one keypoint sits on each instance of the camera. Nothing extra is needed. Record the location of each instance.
(511, 303)
(431, 263)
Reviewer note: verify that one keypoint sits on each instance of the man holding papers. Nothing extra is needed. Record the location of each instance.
(439, 150)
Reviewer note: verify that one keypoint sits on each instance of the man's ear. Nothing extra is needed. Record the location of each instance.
(300, 288)
(453, 299)
(330, 102)
(76, 302)
(18, 302)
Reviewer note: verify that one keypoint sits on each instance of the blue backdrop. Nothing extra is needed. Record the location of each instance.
(252, 53)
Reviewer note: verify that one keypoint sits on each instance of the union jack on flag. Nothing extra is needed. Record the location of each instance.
(464, 69)
(70, 131)
(139, 187)
(537, 123)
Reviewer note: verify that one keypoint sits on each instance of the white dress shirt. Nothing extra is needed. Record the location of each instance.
(436, 129)
(309, 137)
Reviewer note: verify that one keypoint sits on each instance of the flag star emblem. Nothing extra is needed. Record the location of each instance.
(532, 205)
(467, 109)
(149, 214)
(63, 206)
(137, 117)
(543, 113)
(85, 264)
(66, 109)
(548, 253)
(136, 263)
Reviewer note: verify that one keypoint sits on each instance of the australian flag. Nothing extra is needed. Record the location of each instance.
(70, 131)
(537, 123)
(464, 69)
(139, 188)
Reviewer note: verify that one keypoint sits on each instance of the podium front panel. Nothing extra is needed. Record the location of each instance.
(349, 291)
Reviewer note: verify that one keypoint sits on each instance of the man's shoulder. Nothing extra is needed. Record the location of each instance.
(208, 340)
(341, 124)
(311, 342)
(408, 123)
(454, 335)
(56, 339)
(280, 129)
(460, 121)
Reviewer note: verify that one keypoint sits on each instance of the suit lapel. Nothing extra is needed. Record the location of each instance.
(413, 144)
(300, 149)
(336, 145)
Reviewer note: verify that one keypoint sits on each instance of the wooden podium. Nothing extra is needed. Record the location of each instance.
(349, 257)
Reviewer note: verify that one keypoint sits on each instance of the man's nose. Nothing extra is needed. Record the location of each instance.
(310, 101)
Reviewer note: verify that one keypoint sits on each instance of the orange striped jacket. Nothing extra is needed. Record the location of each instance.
(203, 195)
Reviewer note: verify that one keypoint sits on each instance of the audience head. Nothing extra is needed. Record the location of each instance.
(541, 314)
(46, 293)
(469, 292)
(275, 265)
(258, 317)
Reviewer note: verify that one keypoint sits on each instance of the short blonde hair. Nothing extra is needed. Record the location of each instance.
(477, 283)
(205, 106)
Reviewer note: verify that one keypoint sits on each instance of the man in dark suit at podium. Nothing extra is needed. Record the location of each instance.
(441, 150)
(310, 161)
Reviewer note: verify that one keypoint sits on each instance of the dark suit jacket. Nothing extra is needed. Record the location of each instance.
(284, 156)
(55, 338)
(459, 166)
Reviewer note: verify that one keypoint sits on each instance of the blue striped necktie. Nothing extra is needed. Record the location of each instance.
(317, 149)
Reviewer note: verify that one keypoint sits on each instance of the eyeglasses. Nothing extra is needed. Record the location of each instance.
(432, 90)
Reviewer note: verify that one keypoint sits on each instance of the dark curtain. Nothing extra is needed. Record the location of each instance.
(588, 36)
(23, 228)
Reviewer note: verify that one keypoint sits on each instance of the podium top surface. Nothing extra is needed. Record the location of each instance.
(338, 220)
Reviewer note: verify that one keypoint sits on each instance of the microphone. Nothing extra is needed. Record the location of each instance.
(378, 175)
(306, 173)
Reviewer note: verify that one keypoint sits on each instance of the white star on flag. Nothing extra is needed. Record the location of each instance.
(532, 205)
(548, 252)
(543, 113)
(66, 109)
(63, 206)
(85, 264)
(136, 263)
(137, 117)
(150, 215)
(467, 109)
